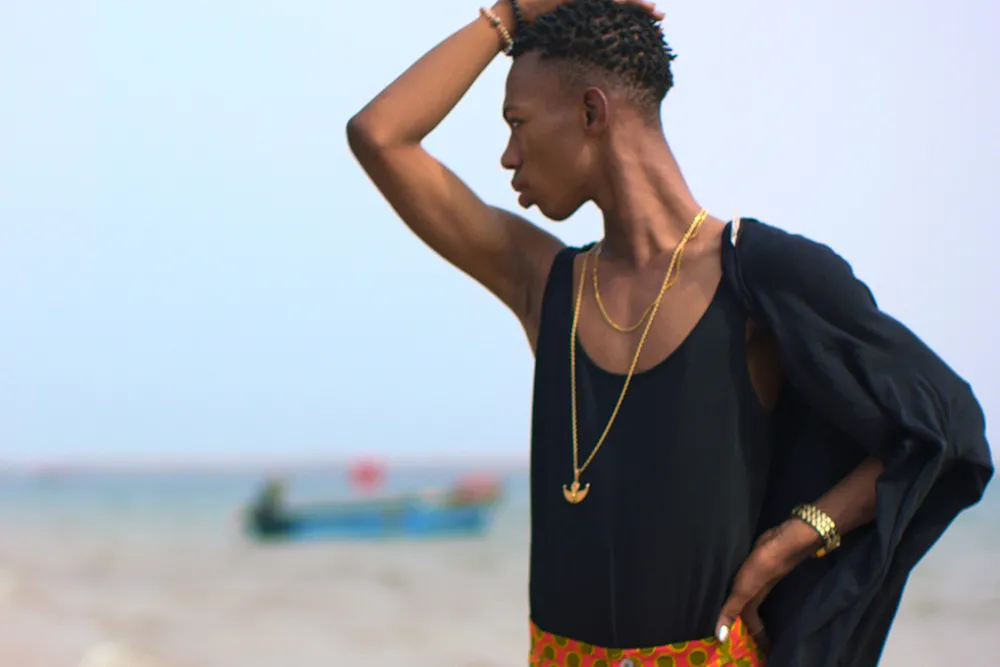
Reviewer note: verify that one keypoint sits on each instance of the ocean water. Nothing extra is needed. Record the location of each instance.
(147, 569)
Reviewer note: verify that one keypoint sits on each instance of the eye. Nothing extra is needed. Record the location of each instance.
(514, 123)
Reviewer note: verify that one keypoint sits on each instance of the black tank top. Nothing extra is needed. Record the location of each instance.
(649, 556)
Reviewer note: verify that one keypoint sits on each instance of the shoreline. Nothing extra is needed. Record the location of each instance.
(74, 468)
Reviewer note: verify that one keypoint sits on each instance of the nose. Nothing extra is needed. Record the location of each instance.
(511, 158)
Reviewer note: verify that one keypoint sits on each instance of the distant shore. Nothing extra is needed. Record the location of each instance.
(257, 465)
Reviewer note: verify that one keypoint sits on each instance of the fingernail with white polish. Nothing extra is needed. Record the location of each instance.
(723, 633)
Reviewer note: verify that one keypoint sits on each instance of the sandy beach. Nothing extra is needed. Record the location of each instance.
(127, 581)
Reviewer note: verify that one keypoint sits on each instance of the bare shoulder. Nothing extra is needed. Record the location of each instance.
(703, 257)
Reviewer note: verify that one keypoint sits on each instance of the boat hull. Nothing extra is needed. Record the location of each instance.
(412, 520)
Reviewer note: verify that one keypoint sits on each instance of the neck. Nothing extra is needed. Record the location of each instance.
(646, 203)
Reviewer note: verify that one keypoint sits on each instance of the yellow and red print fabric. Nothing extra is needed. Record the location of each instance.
(740, 650)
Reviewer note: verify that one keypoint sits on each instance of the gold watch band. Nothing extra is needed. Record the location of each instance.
(822, 524)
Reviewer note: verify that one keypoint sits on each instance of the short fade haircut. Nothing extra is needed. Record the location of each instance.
(620, 41)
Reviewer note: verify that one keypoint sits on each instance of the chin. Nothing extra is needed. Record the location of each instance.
(558, 213)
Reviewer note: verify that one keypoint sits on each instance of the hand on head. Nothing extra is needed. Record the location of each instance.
(532, 8)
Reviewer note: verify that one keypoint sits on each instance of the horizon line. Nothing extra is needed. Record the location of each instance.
(70, 465)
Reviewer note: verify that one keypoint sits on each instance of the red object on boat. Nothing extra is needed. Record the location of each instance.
(367, 475)
(477, 487)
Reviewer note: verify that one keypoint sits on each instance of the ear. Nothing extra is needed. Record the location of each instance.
(595, 110)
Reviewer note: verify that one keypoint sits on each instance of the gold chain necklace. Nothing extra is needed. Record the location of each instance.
(600, 304)
(574, 493)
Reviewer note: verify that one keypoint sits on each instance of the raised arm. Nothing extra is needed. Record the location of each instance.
(503, 251)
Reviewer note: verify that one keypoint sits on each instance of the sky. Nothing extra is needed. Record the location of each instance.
(194, 268)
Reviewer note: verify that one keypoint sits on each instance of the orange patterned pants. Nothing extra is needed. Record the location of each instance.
(548, 650)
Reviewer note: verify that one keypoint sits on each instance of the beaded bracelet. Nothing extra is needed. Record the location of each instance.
(489, 15)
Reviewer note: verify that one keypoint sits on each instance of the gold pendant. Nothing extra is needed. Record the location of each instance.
(574, 494)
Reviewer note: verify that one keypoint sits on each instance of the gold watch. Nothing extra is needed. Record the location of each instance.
(822, 524)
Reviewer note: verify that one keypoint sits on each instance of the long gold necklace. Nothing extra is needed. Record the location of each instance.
(574, 493)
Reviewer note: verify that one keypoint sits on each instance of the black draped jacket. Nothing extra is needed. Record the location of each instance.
(859, 384)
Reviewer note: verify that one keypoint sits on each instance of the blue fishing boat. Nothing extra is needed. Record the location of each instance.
(464, 510)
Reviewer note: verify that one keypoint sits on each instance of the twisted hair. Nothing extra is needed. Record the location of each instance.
(600, 35)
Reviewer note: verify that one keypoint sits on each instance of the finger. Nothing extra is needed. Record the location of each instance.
(762, 641)
(647, 7)
(732, 609)
(754, 623)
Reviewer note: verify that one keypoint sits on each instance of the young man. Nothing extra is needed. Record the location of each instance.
(714, 404)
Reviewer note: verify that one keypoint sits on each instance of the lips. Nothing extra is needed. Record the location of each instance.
(522, 199)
